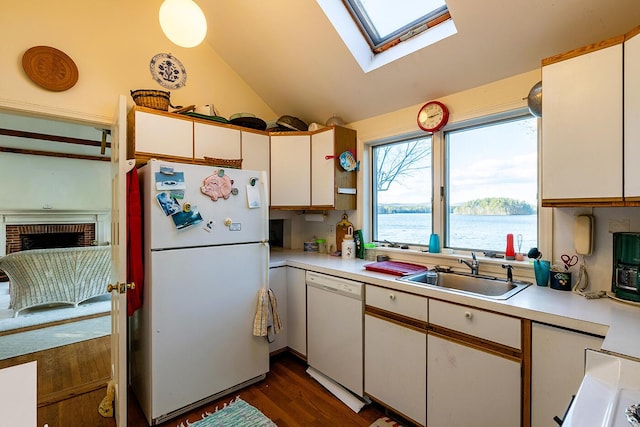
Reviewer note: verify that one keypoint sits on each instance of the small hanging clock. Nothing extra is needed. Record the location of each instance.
(167, 70)
(433, 116)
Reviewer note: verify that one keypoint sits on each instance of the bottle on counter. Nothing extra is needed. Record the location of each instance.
(370, 251)
(357, 237)
(349, 245)
(510, 252)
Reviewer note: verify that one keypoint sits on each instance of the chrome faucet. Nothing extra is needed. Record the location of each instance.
(473, 265)
(509, 268)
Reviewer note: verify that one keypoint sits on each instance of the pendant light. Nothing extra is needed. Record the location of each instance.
(183, 22)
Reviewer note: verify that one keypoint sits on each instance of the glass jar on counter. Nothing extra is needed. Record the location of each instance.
(370, 251)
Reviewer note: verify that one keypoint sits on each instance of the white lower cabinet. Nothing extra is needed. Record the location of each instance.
(474, 367)
(557, 369)
(278, 285)
(395, 351)
(395, 366)
(297, 311)
(471, 387)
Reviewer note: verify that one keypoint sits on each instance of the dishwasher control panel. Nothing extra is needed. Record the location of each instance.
(334, 284)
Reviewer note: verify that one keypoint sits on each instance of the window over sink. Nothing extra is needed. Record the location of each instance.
(472, 183)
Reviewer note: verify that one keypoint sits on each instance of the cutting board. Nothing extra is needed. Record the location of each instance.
(341, 230)
(396, 268)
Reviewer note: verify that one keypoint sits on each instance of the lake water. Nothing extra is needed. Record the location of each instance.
(486, 232)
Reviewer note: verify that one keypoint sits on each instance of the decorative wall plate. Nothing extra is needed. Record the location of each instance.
(50, 68)
(167, 70)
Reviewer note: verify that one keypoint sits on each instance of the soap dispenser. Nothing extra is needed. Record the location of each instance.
(349, 245)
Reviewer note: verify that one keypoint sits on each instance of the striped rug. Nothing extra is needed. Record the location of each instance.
(385, 422)
(237, 413)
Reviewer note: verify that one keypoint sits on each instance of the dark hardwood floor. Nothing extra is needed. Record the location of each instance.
(72, 383)
(288, 396)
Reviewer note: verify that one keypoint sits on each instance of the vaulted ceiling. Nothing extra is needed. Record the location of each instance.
(290, 54)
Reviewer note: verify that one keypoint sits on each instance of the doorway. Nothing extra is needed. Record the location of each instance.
(60, 182)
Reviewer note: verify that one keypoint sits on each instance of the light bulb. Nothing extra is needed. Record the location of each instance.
(183, 22)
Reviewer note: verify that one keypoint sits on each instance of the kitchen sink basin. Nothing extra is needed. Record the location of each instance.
(478, 285)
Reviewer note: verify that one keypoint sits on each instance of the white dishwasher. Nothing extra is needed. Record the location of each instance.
(335, 325)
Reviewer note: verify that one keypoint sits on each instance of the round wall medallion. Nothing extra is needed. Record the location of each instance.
(168, 71)
(50, 68)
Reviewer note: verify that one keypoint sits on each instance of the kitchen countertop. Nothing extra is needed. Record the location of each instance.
(618, 322)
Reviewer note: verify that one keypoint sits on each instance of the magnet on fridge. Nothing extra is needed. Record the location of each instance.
(234, 191)
(220, 173)
(167, 170)
(208, 226)
(186, 206)
(253, 181)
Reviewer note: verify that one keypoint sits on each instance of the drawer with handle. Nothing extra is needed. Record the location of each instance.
(398, 302)
(476, 322)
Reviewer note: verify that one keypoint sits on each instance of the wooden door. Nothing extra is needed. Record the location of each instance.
(119, 168)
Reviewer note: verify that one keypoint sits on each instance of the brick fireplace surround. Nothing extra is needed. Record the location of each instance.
(16, 235)
(79, 234)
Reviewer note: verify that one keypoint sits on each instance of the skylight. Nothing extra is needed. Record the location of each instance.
(378, 32)
(386, 22)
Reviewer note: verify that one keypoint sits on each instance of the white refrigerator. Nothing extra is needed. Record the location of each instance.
(206, 259)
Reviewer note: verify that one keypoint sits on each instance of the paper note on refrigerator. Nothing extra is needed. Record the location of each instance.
(253, 196)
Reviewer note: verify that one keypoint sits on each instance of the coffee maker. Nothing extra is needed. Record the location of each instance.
(626, 266)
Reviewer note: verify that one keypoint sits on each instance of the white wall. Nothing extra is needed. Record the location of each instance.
(53, 183)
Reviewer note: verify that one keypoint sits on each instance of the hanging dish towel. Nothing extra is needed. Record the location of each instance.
(267, 320)
(135, 272)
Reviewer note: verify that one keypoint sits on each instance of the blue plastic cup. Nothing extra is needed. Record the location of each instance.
(541, 270)
(434, 243)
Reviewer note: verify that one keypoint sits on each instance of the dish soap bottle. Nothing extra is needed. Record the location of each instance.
(349, 245)
(357, 237)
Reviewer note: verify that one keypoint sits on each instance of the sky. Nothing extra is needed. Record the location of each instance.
(490, 161)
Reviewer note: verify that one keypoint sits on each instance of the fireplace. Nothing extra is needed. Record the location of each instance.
(43, 236)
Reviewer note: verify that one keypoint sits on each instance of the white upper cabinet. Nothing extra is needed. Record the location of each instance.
(306, 172)
(582, 141)
(632, 116)
(154, 134)
(322, 168)
(215, 141)
(255, 151)
(290, 170)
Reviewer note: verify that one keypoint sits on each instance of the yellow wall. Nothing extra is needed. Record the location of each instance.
(111, 43)
(500, 96)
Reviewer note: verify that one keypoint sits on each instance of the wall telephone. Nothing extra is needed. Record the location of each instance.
(583, 234)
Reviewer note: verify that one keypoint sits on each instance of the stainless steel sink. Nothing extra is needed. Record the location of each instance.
(478, 285)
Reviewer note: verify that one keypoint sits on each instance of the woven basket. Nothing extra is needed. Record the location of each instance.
(227, 163)
(156, 99)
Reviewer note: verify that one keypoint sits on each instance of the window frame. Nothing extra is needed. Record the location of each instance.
(483, 121)
(372, 178)
(379, 44)
(438, 167)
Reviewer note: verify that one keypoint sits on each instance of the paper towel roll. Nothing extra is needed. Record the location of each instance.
(314, 217)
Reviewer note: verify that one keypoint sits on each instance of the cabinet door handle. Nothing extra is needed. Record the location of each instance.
(468, 315)
(392, 297)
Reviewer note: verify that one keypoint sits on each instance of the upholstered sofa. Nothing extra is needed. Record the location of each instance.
(56, 276)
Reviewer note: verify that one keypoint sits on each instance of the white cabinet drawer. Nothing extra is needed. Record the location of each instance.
(478, 323)
(409, 305)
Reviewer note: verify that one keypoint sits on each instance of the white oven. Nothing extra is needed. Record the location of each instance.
(611, 385)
